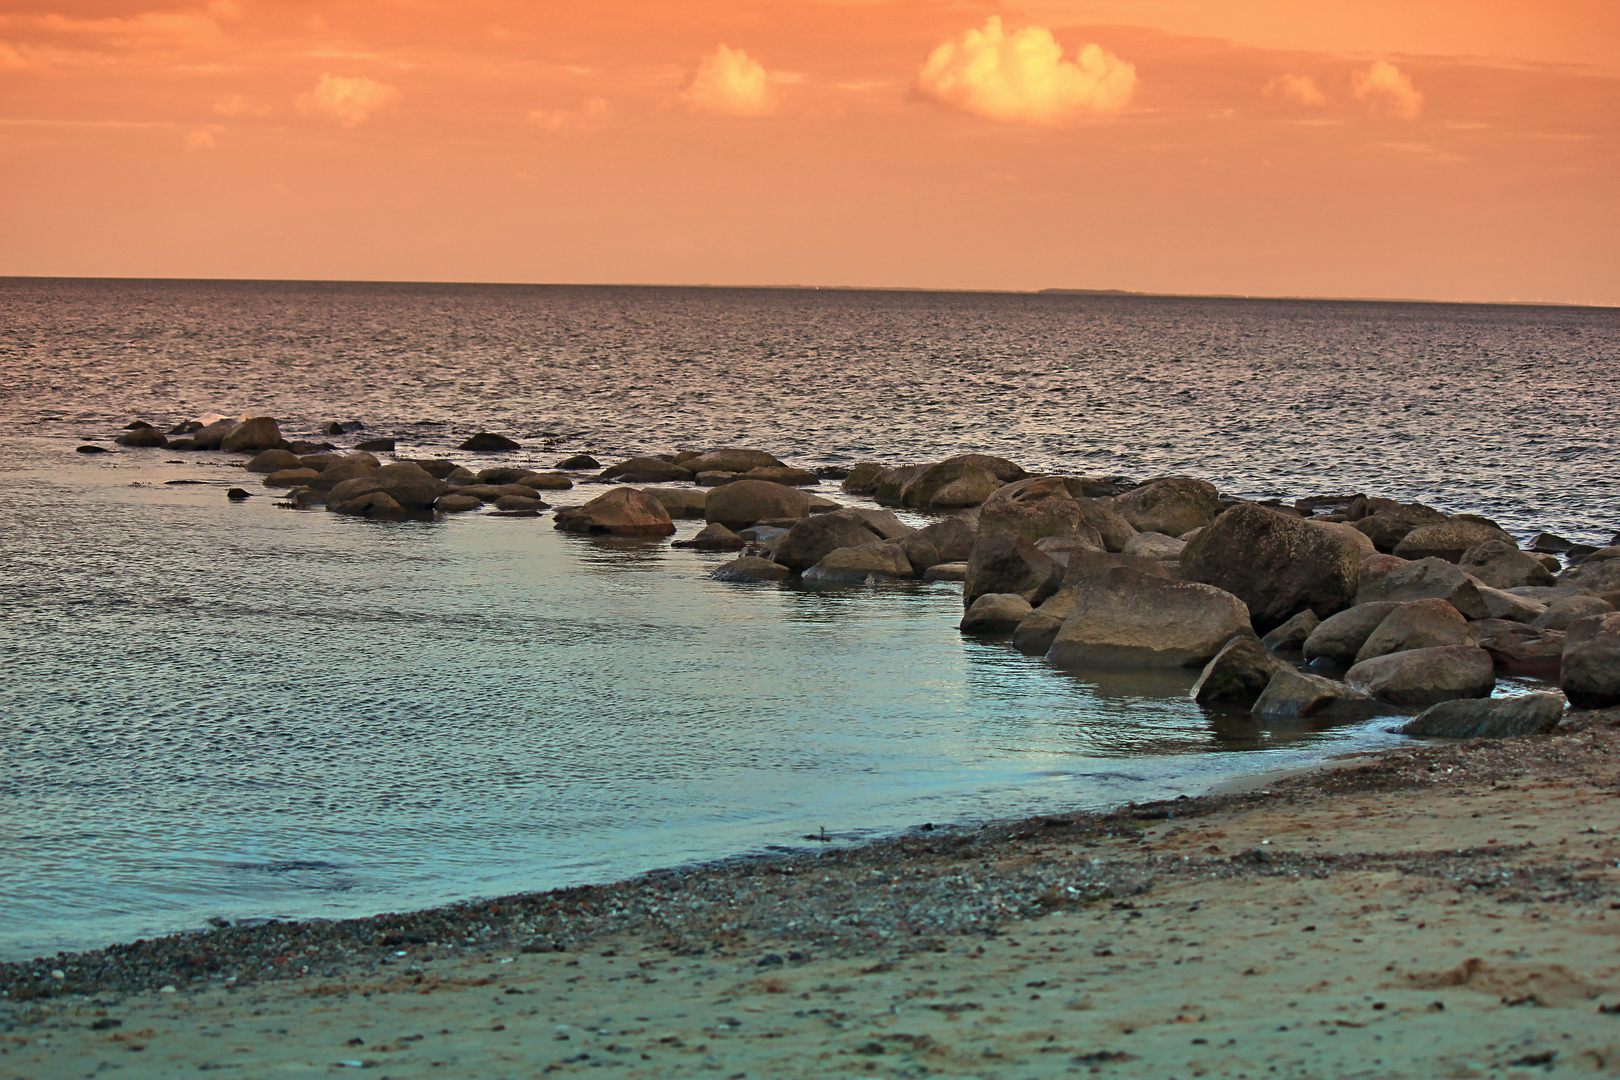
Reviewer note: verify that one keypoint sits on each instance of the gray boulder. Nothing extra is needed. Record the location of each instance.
(952, 537)
(1008, 563)
(545, 481)
(1237, 675)
(1155, 546)
(1172, 506)
(1449, 539)
(1124, 618)
(1501, 565)
(1276, 564)
(881, 560)
(965, 480)
(501, 474)
(1291, 635)
(1421, 624)
(209, 438)
(920, 552)
(1488, 718)
(578, 463)
(1566, 609)
(782, 474)
(377, 505)
(290, 477)
(890, 483)
(1419, 678)
(1424, 579)
(995, 613)
(748, 568)
(747, 502)
(1501, 604)
(1590, 671)
(814, 538)
(519, 504)
(882, 522)
(1340, 637)
(1089, 564)
(1593, 575)
(1517, 649)
(1294, 694)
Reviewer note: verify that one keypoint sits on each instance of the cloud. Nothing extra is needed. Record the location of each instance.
(732, 82)
(1300, 89)
(593, 112)
(350, 100)
(237, 105)
(1387, 90)
(1022, 76)
(201, 139)
(13, 60)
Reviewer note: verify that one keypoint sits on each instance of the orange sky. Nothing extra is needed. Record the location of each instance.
(1446, 149)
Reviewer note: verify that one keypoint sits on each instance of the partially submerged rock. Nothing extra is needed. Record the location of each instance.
(487, 442)
(746, 502)
(749, 568)
(1423, 677)
(1421, 624)
(881, 560)
(1276, 564)
(1124, 618)
(623, 511)
(1294, 694)
(1489, 718)
(713, 537)
(1291, 635)
(995, 613)
(1237, 675)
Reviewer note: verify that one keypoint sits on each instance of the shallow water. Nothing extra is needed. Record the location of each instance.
(232, 710)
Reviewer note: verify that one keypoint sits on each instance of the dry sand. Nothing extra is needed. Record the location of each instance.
(1438, 911)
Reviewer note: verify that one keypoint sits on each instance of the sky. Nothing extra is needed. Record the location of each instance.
(1433, 149)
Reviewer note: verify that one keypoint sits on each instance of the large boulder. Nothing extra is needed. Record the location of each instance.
(1593, 575)
(336, 472)
(143, 437)
(1276, 564)
(546, 481)
(456, 504)
(713, 537)
(623, 511)
(486, 442)
(645, 470)
(1340, 637)
(746, 502)
(1590, 672)
(952, 537)
(377, 505)
(1034, 636)
(890, 483)
(1501, 565)
(995, 613)
(749, 568)
(863, 478)
(680, 502)
(1390, 524)
(407, 484)
(880, 560)
(1124, 618)
(1157, 547)
(1517, 649)
(1449, 539)
(1293, 694)
(1424, 579)
(578, 463)
(1419, 678)
(782, 474)
(290, 477)
(1089, 564)
(252, 435)
(814, 538)
(1114, 530)
(1421, 624)
(1005, 562)
(1566, 609)
(1488, 718)
(1501, 604)
(965, 480)
(209, 437)
(734, 459)
(882, 522)
(1292, 635)
(1237, 675)
(1360, 539)
(1173, 505)
(275, 460)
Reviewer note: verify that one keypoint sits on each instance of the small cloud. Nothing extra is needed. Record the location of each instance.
(1022, 76)
(350, 100)
(201, 139)
(1387, 90)
(732, 82)
(593, 112)
(237, 105)
(1300, 89)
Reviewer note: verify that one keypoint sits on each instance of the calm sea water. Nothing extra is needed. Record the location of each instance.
(240, 711)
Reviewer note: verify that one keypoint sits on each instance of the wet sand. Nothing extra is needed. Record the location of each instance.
(1433, 911)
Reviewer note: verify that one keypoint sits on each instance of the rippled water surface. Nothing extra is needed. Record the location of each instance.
(236, 710)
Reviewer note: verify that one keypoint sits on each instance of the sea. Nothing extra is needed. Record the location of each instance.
(214, 710)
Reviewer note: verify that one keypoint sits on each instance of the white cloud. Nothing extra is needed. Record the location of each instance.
(1022, 76)
(593, 112)
(732, 82)
(1387, 90)
(350, 100)
(1300, 89)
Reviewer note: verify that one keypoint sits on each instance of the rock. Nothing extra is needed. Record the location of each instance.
(1089, 564)
(946, 571)
(238, 494)
(863, 478)
(1171, 506)
(1156, 546)
(323, 461)
(680, 502)
(713, 537)
(1005, 562)
(1504, 605)
(831, 472)
(1062, 548)
(333, 475)
(491, 492)
(887, 487)
(1594, 575)
(1566, 609)
(305, 497)
(502, 474)
(1449, 539)
(1362, 541)
(645, 470)
(1590, 672)
(882, 522)
(713, 478)
(731, 459)
(455, 503)
(578, 463)
(377, 505)
(1418, 678)
(142, 437)
(1490, 718)
(346, 427)
(1423, 579)
(1237, 675)
(1421, 624)
(623, 511)
(547, 481)
(738, 505)
(748, 568)
(459, 477)
(489, 443)
(995, 613)
(1291, 635)
(972, 487)
(252, 435)
(1520, 650)
(952, 538)
(964, 480)
(1375, 568)
(1034, 636)
(209, 437)
(1294, 694)
(405, 484)
(814, 538)
(135, 425)
(271, 461)
(1124, 618)
(1389, 526)
(1551, 544)
(1501, 565)
(87, 448)
(1114, 530)
(374, 445)
(1277, 565)
(782, 474)
(881, 560)
(519, 504)
(290, 477)
(1340, 637)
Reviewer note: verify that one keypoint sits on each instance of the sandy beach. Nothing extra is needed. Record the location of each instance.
(1434, 911)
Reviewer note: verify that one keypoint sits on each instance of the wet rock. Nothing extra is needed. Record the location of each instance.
(782, 474)
(1590, 671)
(1418, 678)
(623, 511)
(1501, 565)
(995, 613)
(645, 470)
(1520, 650)
(519, 504)
(406, 484)
(890, 483)
(376, 445)
(547, 481)
(1360, 539)
(271, 461)
(1237, 675)
(882, 522)
(748, 568)
(1035, 634)
(1490, 718)
(953, 537)
(831, 472)
(713, 478)
(881, 560)
(1594, 575)
(578, 463)
(1124, 618)
(1423, 579)
(814, 538)
(1005, 562)
(1500, 604)
(1550, 544)
(1449, 539)
(956, 482)
(863, 478)
(713, 537)
(738, 505)
(1391, 523)
(89, 448)
(209, 437)
(490, 492)
(251, 436)
(1340, 637)
(438, 468)
(502, 474)
(1171, 506)
(1294, 694)
(1566, 609)
(303, 498)
(680, 502)
(238, 494)
(377, 505)
(1277, 565)
(456, 503)
(142, 437)
(1421, 624)
(1291, 635)
(459, 477)
(946, 571)
(731, 459)
(486, 442)
(290, 477)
